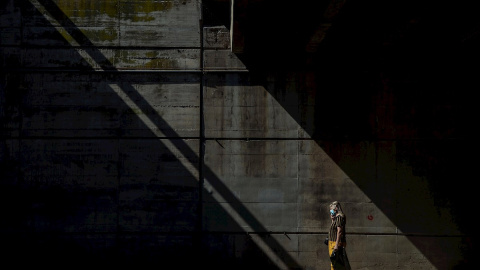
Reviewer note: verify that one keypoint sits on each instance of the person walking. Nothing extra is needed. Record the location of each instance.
(337, 240)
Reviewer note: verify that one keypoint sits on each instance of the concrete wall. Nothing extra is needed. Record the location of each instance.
(131, 134)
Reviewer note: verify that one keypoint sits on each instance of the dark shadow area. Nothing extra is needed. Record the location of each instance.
(398, 73)
(417, 62)
(216, 13)
(107, 199)
(275, 33)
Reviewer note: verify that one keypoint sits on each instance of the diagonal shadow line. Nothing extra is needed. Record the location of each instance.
(183, 148)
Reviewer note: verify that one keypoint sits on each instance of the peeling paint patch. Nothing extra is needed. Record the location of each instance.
(143, 11)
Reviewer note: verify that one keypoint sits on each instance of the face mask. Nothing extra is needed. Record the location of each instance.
(332, 212)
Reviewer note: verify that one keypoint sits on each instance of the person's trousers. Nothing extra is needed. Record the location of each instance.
(331, 245)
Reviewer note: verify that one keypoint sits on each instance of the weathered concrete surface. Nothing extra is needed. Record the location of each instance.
(249, 106)
(121, 59)
(113, 23)
(71, 104)
(125, 142)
